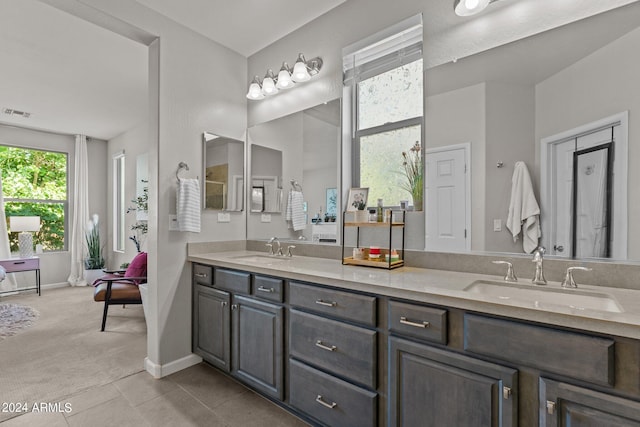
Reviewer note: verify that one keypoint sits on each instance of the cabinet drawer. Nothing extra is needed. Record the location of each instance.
(329, 400)
(418, 321)
(343, 305)
(346, 350)
(232, 281)
(268, 288)
(570, 354)
(203, 274)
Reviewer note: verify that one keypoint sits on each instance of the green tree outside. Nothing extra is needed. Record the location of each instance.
(34, 183)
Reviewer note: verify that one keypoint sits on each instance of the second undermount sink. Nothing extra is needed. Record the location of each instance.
(261, 259)
(545, 297)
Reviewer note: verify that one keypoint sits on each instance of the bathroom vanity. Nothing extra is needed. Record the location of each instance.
(350, 346)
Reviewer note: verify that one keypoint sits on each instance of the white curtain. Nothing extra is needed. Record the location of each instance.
(9, 283)
(80, 213)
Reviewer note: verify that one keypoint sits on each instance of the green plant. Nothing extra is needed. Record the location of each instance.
(414, 171)
(94, 259)
(140, 228)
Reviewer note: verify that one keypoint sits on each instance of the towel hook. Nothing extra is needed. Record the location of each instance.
(295, 185)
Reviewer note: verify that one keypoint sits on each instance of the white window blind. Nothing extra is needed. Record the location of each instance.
(394, 46)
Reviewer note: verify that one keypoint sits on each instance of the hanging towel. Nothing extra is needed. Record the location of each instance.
(188, 205)
(295, 210)
(524, 212)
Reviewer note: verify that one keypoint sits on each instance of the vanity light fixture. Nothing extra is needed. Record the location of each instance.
(470, 7)
(302, 71)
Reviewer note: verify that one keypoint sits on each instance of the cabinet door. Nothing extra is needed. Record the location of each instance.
(258, 345)
(432, 387)
(564, 404)
(211, 326)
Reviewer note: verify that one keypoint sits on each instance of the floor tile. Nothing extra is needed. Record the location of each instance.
(88, 399)
(36, 419)
(116, 412)
(142, 387)
(208, 385)
(178, 408)
(252, 410)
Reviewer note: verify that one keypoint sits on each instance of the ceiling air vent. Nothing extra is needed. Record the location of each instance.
(12, 112)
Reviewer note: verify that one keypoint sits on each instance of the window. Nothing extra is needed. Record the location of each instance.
(119, 209)
(387, 87)
(34, 183)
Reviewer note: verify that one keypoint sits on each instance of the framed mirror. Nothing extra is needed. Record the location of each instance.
(526, 99)
(223, 177)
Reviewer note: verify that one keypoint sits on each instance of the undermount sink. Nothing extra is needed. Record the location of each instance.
(261, 259)
(545, 297)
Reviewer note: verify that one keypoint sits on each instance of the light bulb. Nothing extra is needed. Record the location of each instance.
(300, 72)
(284, 78)
(471, 4)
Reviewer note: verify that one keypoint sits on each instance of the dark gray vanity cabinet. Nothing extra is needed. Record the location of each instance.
(430, 387)
(257, 337)
(211, 326)
(564, 404)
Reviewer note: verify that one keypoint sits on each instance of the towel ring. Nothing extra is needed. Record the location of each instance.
(181, 166)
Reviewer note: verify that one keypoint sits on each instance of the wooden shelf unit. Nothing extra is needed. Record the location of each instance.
(382, 263)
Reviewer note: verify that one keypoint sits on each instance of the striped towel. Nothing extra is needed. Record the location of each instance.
(296, 207)
(188, 205)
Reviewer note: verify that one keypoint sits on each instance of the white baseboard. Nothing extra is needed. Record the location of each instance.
(55, 285)
(159, 371)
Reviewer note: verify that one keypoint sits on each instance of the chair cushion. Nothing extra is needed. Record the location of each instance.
(138, 266)
(119, 291)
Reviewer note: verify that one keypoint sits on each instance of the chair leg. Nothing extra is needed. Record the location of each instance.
(104, 315)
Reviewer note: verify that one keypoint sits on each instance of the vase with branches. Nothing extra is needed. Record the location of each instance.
(140, 227)
(414, 172)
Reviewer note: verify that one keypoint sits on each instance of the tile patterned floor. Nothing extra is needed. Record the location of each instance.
(197, 396)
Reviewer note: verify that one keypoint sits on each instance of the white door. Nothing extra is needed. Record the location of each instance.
(447, 200)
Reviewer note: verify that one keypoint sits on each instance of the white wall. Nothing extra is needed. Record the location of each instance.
(55, 266)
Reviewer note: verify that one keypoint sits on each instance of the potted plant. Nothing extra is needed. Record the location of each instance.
(94, 262)
(414, 171)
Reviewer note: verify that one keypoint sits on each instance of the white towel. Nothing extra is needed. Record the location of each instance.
(295, 210)
(188, 205)
(524, 212)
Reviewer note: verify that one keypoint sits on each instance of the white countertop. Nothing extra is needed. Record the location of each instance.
(440, 287)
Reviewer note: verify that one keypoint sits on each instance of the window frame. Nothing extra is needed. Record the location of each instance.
(118, 164)
(64, 203)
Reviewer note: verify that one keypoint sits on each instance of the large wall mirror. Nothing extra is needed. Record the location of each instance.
(223, 178)
(572, 91)
(307, 144)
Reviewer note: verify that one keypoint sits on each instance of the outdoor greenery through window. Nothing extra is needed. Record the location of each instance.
(389, 123)
(34, 183)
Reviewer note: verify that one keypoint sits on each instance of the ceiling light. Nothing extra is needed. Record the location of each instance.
(470, 7)
(284, 77)
(255, 91)
(302, 71)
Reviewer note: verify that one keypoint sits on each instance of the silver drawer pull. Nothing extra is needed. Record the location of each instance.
(203, 275)
(321, 401)
(263, 289)
(405, 321)
(506, 392)
(325, 347)
(19, 262)
(326, 304)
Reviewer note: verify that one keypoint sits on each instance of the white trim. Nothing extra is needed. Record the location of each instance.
(160, 371)
(466, 146)
(620, 173)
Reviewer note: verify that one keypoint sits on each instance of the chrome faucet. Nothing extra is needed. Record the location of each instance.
(511, 275)
(539, 279)
(272, 251)
(569, 281)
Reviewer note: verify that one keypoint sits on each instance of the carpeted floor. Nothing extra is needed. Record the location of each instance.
(64, 352)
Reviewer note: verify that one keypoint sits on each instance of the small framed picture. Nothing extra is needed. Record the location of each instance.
(357, 200)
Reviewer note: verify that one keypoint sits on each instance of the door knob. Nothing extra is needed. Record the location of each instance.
(558, 248)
